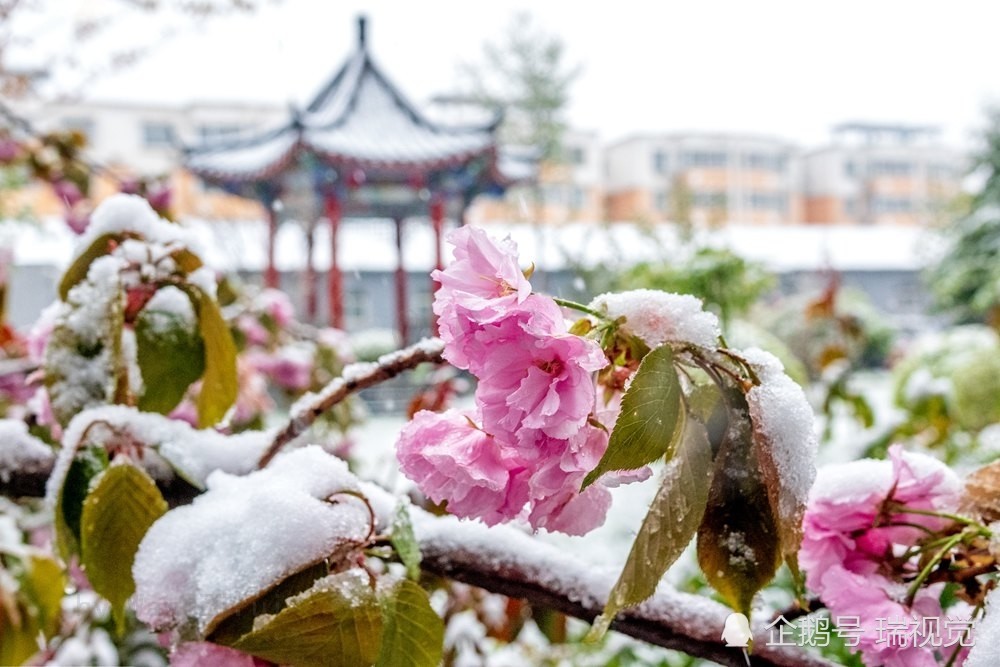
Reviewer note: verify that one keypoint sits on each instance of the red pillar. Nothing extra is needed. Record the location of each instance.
(437, 222)
(335, 281)
(271, 272)
(401, 306)
(310, 274)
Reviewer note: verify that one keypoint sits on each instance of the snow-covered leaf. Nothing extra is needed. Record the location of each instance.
(171, 357)
(651, 419)
(336, 622)
(414, 633)
(405, 542)
(122, 505)
(219, 384)
(672, 520)
(77, 271)
(232, 624)
(785, 443)
(738, 544)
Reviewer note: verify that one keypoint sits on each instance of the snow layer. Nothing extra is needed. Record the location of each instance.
(244, 535)
(782, 414)
(193, 453)
(658, 317)
(21, 451)
(131, 213)
(986, 635)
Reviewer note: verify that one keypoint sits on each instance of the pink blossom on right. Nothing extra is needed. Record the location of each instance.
(850, 529)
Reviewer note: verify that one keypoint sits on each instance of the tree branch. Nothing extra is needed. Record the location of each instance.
(503, 559)
(354, 378)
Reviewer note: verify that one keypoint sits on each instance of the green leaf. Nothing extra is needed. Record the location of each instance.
(171, 357)
(32, 609)
(336, 622)
(414, 633)
(230, 625)
(18, 633)
(219, 384)
(79, 268)
(187, 261)
(672, 520)
(43, 585)
(122, 505)
(86, 465)
(738, 546)
(650, 421)
(405, 542)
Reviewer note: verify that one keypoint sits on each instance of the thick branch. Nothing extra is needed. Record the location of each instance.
(354, 378)
(510, 562)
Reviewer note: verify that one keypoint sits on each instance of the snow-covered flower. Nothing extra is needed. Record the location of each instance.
(855, 520)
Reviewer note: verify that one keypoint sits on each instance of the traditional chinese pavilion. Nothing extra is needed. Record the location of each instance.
(358, 150)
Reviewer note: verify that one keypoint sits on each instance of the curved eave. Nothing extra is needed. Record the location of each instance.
(216, 166)
(434, 162)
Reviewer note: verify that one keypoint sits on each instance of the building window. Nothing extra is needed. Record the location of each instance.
(890, 168)
(892, 205)
(850, 169)
(208, 133)
(704, 159)
(155, 135)
(575, 197)
(661, 162)
(710, 199)
(767, 201)
(765, 161)
(576, 155)
(81, 124)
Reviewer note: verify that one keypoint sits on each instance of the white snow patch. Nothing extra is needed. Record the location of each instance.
(781, 413)
(20, 451)
(194, 453)
(986, 635)
(131, 213)
(659, 317)
(244, 535)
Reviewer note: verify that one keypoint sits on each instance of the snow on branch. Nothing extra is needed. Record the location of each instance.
(508, 561)
(354, 378)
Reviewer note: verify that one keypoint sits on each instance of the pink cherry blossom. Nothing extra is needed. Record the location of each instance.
(539, 383)
(290, 367)
(851, 528)
(484, 279)
(452, 460)
(278, 306)
(200, 654)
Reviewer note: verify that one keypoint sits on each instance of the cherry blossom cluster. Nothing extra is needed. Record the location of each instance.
(534, 433)
(861, 527)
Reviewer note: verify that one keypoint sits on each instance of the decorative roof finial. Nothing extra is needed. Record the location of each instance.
(362, 20)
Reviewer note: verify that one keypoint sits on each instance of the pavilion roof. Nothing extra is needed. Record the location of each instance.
(358, 119)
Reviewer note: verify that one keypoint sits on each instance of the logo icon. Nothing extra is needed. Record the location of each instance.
(737, 631)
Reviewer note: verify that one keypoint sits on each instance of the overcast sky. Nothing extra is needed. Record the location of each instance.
(781, 67)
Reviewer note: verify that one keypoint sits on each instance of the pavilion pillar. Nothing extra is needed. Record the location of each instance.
(335, 280)
(402, 321)
(271, 272)
(309, 286)
(436, 211)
